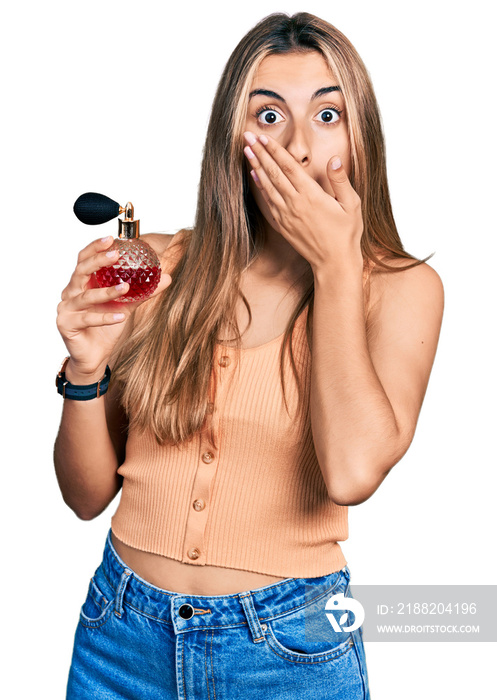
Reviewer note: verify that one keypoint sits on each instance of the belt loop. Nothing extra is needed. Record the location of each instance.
(251, 615)
(118, 610)
(348, 592)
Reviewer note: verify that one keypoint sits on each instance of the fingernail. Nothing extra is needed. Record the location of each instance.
(250, 138)
(120, 286)
(264, 140)
(254, 175)
(118, 317)
(249, 152)
(106, 239)
(111, 253)
(335, 164)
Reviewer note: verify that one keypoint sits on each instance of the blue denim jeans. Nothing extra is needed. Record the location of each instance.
(137, 641)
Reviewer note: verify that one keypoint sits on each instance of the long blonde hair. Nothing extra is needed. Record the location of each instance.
(164, 364)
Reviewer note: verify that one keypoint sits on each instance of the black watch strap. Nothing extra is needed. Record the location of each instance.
(79, 392)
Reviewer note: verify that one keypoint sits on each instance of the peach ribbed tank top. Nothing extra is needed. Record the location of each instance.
(247, 492)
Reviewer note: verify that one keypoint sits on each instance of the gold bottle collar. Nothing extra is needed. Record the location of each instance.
(128, 227)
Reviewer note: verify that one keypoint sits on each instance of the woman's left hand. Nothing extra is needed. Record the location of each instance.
(324, 226)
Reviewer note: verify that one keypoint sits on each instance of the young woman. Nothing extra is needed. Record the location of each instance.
(273, 380)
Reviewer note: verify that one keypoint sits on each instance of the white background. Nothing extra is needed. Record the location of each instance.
(114, 97)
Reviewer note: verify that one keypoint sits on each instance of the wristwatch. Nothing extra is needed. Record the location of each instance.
(79, 392)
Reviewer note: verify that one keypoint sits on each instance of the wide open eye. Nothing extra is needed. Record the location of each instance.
(267, 116)
(329, 115)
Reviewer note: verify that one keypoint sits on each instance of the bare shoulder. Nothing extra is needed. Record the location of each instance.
(407, 295)
(419, 282)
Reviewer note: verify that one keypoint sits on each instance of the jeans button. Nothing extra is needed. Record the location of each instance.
(186, 612)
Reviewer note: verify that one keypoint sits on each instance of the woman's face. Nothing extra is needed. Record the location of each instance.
(295, 100)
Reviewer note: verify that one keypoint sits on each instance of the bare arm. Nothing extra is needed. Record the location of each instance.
(91, 442)
(369, 379)
(89, 448)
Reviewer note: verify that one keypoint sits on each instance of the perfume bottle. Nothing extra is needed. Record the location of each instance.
(138, 264)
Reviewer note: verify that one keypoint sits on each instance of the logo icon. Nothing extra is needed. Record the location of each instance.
(340, 602)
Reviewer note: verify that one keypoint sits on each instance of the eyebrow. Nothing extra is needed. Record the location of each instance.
(319, 93)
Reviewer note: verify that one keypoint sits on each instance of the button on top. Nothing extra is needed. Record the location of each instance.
(207, 457)
(194, 553)
(186, 611)
(224, 361)
(199, 504)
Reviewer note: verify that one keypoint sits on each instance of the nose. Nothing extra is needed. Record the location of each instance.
(298, 144)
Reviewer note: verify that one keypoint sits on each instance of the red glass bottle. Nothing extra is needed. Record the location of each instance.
(138, 264)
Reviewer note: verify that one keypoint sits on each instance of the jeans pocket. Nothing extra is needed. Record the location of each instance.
(97, 608)
(305, 633)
